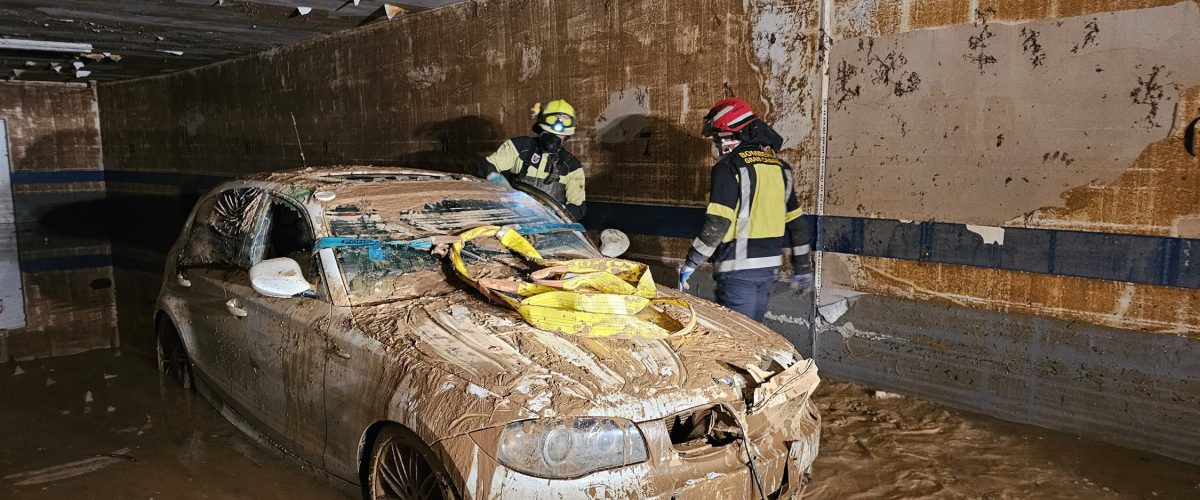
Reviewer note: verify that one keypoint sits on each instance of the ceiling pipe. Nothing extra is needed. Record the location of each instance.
(43, 45)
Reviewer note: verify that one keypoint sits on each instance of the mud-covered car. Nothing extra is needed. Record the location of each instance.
(376, 364)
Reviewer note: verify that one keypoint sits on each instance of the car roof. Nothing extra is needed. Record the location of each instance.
(299, 183)
(352, 173)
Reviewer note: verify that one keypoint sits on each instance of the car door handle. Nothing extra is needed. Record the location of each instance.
(235, 308)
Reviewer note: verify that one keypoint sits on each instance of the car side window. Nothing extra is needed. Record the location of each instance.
(222, 229)
(287, 234)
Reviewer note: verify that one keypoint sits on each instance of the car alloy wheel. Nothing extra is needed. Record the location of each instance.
(402, 467)
(172, 357)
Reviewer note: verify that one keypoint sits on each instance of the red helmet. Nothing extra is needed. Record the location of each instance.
(729, 115)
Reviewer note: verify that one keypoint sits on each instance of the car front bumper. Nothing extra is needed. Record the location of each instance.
(784, 442)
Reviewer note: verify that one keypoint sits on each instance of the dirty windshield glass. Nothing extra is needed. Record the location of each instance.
(390, 271)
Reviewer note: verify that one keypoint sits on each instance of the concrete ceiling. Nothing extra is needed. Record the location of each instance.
(151, 37)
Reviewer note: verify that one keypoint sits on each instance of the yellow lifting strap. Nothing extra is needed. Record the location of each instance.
(598, 297)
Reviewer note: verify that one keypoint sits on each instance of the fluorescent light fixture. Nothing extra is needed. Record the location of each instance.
(43, 45)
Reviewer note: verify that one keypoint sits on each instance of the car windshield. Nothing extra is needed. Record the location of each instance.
(392, 213)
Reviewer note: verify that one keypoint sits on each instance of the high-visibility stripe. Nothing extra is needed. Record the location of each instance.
(720, 210)
(747, 264)
(744, 116)
(801, 250)
(789, 183)
(743, 216)
(793, 215)
(703, 248)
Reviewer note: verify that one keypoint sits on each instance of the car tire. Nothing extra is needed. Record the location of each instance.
(402, 467)
(173, 362)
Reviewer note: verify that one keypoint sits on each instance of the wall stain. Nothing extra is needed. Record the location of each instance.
(1057, 156)
(977, 44)
(1150, 92)
(888, 70)
(1089, 37)
(844, 91)
(1029, 44)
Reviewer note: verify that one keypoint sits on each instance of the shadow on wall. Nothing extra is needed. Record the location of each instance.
(647, 160)
(147, 222)
(454, 145)
(667, 163)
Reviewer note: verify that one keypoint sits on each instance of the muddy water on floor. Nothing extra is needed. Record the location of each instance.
(138, 437)
(878, 445)
(134, 437)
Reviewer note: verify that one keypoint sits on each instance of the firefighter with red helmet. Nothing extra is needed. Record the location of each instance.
(752, 215)
(541, 161)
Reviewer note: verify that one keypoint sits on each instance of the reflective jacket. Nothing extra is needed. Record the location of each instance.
(752, 215)
(557, 174)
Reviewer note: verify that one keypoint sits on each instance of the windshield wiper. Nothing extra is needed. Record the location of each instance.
(557, 227)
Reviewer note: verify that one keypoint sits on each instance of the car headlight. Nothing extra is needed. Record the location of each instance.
(564, 448)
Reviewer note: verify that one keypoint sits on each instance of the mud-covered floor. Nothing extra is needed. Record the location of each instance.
(97, 425)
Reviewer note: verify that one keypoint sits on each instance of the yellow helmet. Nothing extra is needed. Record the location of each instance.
(556, 117)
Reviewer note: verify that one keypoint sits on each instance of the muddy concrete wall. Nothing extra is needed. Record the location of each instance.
(58, 201)
(1024, 158)
(1011, 166)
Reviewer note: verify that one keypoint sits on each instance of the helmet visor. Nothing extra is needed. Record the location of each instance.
(558, 122)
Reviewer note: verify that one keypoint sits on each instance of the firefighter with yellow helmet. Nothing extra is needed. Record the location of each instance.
(541, 160)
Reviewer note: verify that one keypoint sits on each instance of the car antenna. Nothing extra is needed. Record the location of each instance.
(298, 144)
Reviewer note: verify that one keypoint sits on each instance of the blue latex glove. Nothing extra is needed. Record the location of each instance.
(497, 178)
(803, 282)
(685, 273)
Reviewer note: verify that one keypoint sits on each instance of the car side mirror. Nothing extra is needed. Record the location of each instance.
(613, 243)
(279, 278)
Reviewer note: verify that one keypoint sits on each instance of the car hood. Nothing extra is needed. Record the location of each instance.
(513, 370)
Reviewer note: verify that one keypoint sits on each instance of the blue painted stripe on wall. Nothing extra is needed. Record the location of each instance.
(1152, 260)
(128, 176)
(651, 220)
(57, 176)
(165, 178)
(65, 263)
(1149, 260)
